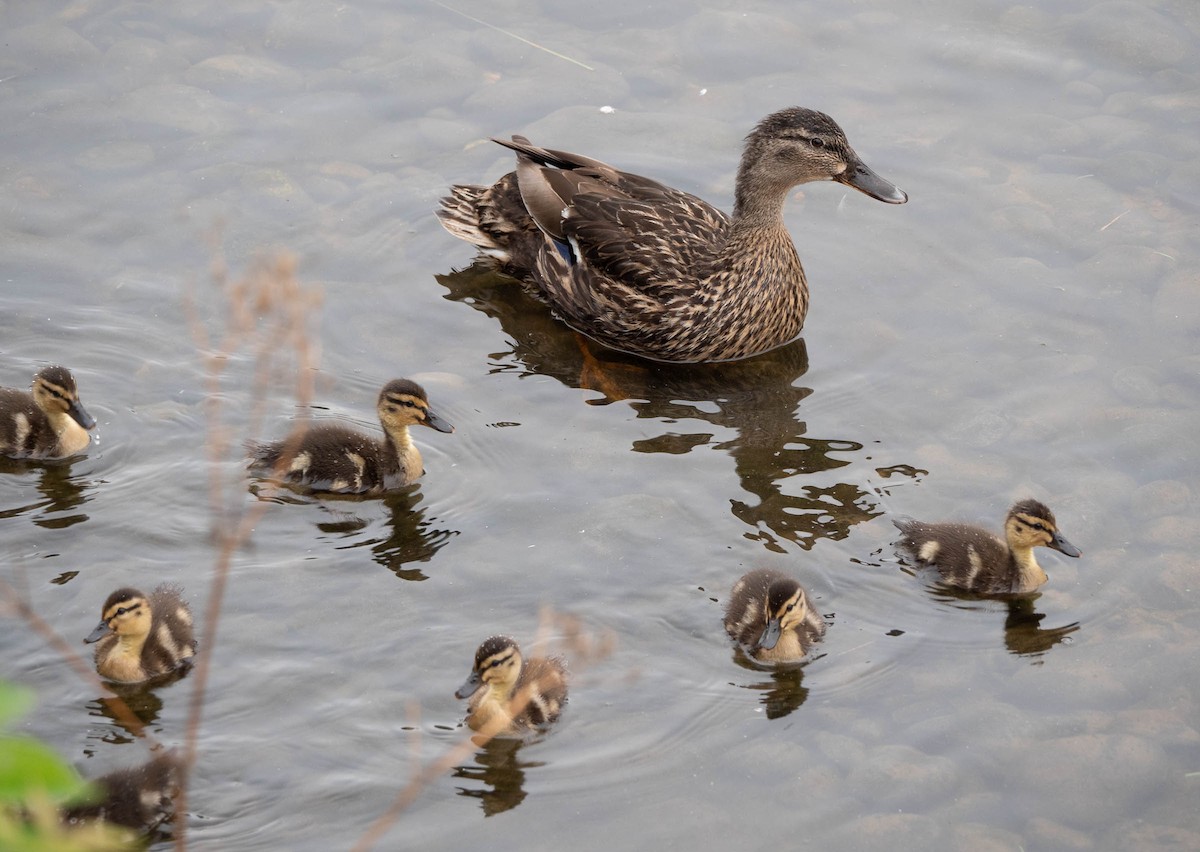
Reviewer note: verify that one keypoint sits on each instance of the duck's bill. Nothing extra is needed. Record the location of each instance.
(99, 633)
(859, 176)
(1063, 546)
(436, 421)
(770, 636)
(470, 686)
(79, 415)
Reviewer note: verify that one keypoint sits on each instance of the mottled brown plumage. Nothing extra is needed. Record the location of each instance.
(769, 616)
(511, 693)
(969, 557)
(49, 422)
(333, 458)
(652, 270)
(143, 637)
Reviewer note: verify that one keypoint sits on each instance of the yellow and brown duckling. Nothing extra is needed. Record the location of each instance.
(515, 694)
(47, 423)
(337, 459)
(969, 557)
(652, 270)
(768, 614)
(141, 637)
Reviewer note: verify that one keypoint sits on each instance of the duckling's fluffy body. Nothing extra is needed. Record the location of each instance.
(969, 557)
(652, 270)
(768, 614)
(514, 694)
(140, 798)
(46, 422)
(336, 459)
(140, 637)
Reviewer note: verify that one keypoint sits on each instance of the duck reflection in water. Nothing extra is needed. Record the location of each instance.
(401, 537)
(783, 691)
(1024, 635)
(756, 399)
(59, 491)
(498, 768)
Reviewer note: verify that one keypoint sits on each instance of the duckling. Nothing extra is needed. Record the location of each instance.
(142, 637)
(651, 270)
(526, 694)
(140, 797)
(971, 558)
(48, 423)
(336, 459)
(769, 615)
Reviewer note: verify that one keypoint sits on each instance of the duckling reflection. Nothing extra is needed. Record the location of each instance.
(500, 770)
(140, 797)
(143, 701)
(783, 693)
(1024, 635)
(59, 491)
(757, 399)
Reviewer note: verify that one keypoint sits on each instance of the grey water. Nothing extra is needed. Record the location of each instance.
(1027, 325)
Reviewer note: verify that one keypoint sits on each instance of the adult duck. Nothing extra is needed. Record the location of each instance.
(647, 269)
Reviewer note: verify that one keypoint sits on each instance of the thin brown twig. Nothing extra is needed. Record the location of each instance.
(268, 307)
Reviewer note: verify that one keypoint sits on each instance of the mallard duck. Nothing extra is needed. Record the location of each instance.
(143, 637)
(141, 797)
(48, 423)
(971, 558)
(340, 460)
(525, 694)
(768, 615)
(648, 269)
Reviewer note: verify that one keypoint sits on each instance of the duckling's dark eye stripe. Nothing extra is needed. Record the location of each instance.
(395, 400)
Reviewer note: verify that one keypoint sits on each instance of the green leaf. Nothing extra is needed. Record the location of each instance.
(27, 766)
(15, 701)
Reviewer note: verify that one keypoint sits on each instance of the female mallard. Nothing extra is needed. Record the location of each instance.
(971, 558)
(651, 270)
(509, 694)
(143, 637)
(336, 459)
(768, 615)
(48, 423)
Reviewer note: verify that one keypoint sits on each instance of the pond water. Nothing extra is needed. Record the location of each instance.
(1027, 325)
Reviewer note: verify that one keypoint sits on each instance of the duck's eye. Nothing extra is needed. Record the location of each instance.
(817, 142)
(790, 607)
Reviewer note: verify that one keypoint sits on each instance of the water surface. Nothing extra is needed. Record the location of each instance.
(1026, 325)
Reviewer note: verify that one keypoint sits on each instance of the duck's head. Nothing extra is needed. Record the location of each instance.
(54, 391)
(404, 403)
(497, 665)
(1031, 524)
(799, 145)
(785, 606)
(125, 613)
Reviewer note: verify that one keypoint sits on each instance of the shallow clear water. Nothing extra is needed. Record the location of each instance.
(1027, 325)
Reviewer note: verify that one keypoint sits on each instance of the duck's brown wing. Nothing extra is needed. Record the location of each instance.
(639, 234)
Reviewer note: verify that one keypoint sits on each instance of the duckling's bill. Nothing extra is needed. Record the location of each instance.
(470, 686)
(770, 636)
(79, 415)
(102, 630)
(1060, 543)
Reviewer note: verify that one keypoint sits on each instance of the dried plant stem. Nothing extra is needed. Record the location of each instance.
(268, 311)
